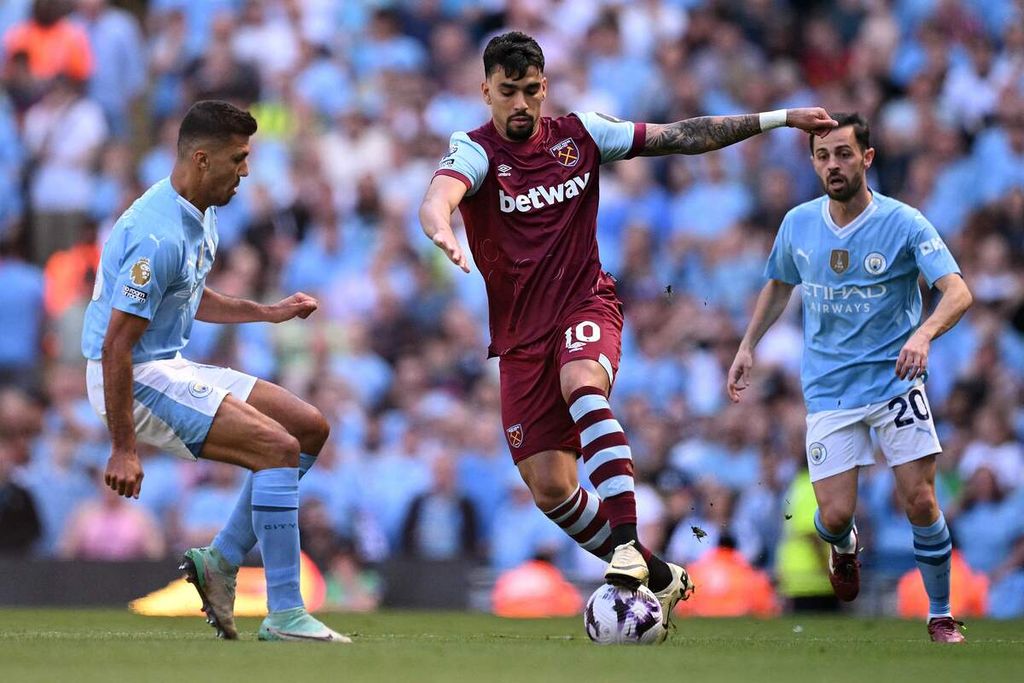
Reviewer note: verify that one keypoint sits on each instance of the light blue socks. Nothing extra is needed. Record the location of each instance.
(933, 548)
(844, 541)
(275, 519)
(237, 538)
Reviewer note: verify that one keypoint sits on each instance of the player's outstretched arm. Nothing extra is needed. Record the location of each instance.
(771, 302)
(124, 471)
(443, 196)
(215, 307)
(707, 133)
(956, 299)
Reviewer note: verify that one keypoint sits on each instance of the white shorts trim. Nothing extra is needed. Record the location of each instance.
(175, 400)
(839, 440)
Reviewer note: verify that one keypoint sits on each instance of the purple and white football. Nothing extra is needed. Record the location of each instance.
(623, 616)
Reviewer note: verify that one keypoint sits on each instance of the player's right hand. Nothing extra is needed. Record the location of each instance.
(124, 473)
(811, 119)
(446, 242)
(739, 374)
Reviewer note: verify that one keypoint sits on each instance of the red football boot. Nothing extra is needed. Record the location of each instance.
(844, 571)
(945, 630)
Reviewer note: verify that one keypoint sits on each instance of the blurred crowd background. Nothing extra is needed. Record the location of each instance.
(355, 103)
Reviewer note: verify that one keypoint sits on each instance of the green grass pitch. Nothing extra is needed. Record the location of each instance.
(81, 646)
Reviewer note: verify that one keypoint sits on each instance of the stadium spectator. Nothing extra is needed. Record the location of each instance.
(20, 526)
(64, 132)
(112, 529)
(995, 449)
(119, 76)
(521, 531)
(58, 484)
(50, 46)
(22, 319)
(209, 502)
(441, 523)
(988, 522)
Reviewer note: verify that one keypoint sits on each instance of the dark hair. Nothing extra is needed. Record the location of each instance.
(49, 12)
(215, 119)
(861, 129)
(515, 52)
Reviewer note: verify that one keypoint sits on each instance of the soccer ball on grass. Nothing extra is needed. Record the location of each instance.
(616, 615)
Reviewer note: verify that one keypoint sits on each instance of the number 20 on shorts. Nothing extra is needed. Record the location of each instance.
(917, 406)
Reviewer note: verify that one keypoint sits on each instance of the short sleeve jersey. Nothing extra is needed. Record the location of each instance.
(154, 265)
(861, 300)
(531, 216)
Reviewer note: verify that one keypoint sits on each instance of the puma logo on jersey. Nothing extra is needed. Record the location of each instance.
(540, 197)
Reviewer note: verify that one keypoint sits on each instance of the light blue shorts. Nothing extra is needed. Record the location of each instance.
(175, 401)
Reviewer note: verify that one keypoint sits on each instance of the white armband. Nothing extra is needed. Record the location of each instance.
(772, 119)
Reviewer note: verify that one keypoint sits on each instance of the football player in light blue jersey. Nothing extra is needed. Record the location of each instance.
(150, 286)
(856, 256)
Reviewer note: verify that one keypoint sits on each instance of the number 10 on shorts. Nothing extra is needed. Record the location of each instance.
(581, 334)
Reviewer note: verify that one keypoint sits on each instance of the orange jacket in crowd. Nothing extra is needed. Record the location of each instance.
(58, 50)
(69, 276)
(968, 592)
(728, 586)
(535, 589)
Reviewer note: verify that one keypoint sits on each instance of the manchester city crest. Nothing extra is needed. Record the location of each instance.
(875, 263)
(816, 452)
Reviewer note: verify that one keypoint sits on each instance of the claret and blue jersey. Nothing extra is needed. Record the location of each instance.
(530, 211)
(861, 300)
(154, 265)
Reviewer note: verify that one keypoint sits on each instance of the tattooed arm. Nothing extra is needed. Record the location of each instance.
(707, 133)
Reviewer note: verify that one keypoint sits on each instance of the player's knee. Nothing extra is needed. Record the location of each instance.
(278, 448)
(581, 373)
(316, 429)
(921, 504)
(835, 517)
(549, 494)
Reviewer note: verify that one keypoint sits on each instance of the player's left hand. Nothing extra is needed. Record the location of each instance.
(739, 374)
(811, 119)
(298, 305)
(913, 360)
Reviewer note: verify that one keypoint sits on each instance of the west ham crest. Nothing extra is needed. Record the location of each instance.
(839, 261)
(566, 152)
(515, 435)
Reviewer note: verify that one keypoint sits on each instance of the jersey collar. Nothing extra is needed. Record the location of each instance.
(186, 204)
(854, 225)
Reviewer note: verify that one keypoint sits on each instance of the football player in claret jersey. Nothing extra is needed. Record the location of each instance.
(150, 286)
(527, 188)
(857, 255)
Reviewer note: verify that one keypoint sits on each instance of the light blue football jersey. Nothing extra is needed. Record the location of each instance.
(861, 300)
(154, 265)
